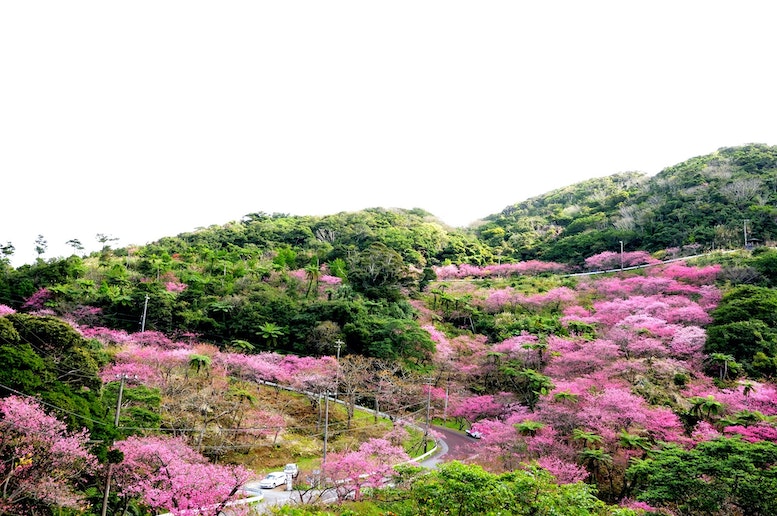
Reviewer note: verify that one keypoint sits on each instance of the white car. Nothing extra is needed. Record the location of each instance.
(273, 480)
(474, 434)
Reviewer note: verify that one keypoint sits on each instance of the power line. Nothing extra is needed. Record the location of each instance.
(38, 400)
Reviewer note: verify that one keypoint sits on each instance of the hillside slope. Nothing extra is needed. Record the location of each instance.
(705, 201)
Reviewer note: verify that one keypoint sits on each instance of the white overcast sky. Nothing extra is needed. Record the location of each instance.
(145, 119)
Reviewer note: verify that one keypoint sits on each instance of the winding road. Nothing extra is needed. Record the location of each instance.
(452, 446)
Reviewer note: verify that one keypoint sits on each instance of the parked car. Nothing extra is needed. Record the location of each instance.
(273, 480)
(473, 434)
(291, 468)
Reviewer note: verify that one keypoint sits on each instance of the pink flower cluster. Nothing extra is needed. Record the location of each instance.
(527, 268)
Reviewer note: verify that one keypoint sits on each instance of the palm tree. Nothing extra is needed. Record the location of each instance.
(270, 332)
(746, 418)
(529, 427)
(242, 396)
(588, 438)
(747, 388)
(595, 459)
(198, 362)
(537, 384)
(723, 362)
(705, 407)
(313, 273)
(634, 441)
(242, 346)
(566, 397)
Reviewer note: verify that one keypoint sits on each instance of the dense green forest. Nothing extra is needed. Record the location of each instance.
(237, 273)
(494, 319)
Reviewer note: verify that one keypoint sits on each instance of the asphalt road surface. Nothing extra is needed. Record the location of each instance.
(454, 446)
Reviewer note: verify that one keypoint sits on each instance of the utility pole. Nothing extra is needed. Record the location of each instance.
(744, 230)
(428, 407)
(326, 426)
(143, 320)
(337, 380)
(621, 241)
(445, 407)
(122, 378)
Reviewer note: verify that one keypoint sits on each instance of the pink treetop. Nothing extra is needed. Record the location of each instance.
(577, 313)
(662, 424)
(175, 286)
(584, 359)
(168, 475)
(612, 260)
(761, 397)
(6, 310)
(155, 338)
(617, 287)
(612, 410)
(692, 275)
(565, 472)
(446, 272)
(675, 309)
(555, 298)
(688, 342)
(753, 433)
(498, 299)
(39, 458)
(444, 353)
(704, 431)
(709, 297)
(470, 271)
(38, 299)
(531, 267)
(262, 367)
(514, 347)
(105, 335)
(133, 371)
(369, 466)
(310, 373)
(477, 407)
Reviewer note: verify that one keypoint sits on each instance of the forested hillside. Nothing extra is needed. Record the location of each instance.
(704, 201)
(176, 371)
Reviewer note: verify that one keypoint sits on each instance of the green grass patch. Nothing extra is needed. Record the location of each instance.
(447, 423)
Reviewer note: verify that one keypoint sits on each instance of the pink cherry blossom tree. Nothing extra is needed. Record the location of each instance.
(369, 466)
(167, 475)
(41, 462)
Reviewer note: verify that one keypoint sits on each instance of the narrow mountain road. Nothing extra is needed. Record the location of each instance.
(453, 446)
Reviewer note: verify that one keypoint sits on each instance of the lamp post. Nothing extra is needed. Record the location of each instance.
(621, 241)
